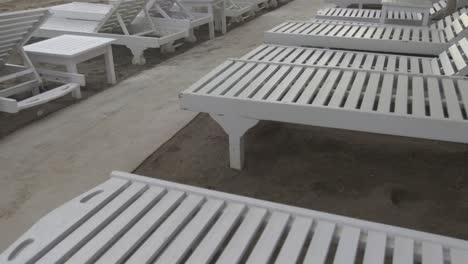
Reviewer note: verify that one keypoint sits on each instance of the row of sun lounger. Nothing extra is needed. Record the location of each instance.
(136, 24)
(291, 78)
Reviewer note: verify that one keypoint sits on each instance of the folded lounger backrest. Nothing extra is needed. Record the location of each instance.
(121, 15)
(16, 29)
(165, 9)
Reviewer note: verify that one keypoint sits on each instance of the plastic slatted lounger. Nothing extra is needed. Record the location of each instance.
(238, 10)
(15, 30)
(450, 62)
(239, 93)
(369, 37)
(117, 23)
(373, 15)
(345, 3)
(134, 219)
(172, 12)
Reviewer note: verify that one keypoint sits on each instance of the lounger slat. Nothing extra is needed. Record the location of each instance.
(241, 84)
(355, 92)
(347, 246)
(419, 107)
(188, 237)
(320, 244)
(312, 87)
(458, 256)
(326, 89)
(93, 225)
(370, 93)
(243, 236)
(386, 93)
(297, 88)
(457, 58)
(432, 253)
(295, 240)
(446, 63)
(155, 243)
(109, 234)
(435, 99)
(340, 91)
(212, 242)
(401, 96)
(267, 242)
(403, 253)
(452, 102)
(375, 248)
(137, 234)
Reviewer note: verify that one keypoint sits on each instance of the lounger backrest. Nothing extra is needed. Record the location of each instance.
(457, 29)
(437, 7)
(452, 61)
(446, 21)
(124, 10)
(16, 29)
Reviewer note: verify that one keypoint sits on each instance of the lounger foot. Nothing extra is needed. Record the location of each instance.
(273, 3)
(235, 127)
(168, 48)
(138, 56)
(191, 37)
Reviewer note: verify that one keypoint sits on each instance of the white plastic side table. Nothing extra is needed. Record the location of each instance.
(71, 50)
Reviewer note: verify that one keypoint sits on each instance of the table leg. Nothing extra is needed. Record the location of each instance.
(223, 18)
(110, 71)
(71, 68)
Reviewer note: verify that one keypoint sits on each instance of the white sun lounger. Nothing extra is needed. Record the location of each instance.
(374, 15)
(15, 30)
(453, 61)
(135, 219)
(240, 92)
(369, 37)
(112, 21)
(172, 13)
(239, 10)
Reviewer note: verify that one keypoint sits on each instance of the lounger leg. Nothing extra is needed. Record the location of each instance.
(235, 127)
(110, 71)
(76, 93)
(211, 29)
(273, 3)
(138, 57)
(168, 48)
(191, 37)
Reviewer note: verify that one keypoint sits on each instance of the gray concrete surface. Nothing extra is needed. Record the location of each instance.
(47, 163)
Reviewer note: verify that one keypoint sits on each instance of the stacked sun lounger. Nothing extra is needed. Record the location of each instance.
(16, 80)
(134, 219)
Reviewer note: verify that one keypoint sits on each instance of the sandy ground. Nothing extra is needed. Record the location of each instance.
(413, 183)
(55, 158)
